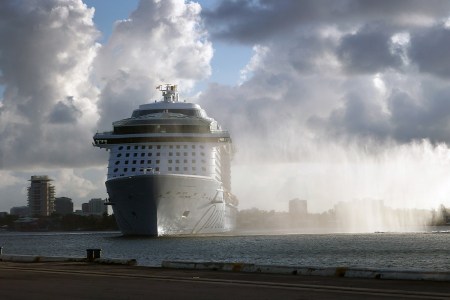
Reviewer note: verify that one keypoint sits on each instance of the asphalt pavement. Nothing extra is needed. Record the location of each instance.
(79, 280)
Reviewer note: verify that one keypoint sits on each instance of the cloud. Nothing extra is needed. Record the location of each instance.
(258, 21)
(161, 41)
(430, 50)
(368, 51)
(356, 81)
(46, 52)
(343, 99)
(65, 112)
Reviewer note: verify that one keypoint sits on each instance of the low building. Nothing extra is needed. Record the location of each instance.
(95, 206)
(63, 205)
(21, 211)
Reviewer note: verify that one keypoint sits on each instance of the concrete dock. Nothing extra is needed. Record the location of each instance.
(82, 280)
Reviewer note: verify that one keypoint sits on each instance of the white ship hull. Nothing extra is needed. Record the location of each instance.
(157, 204)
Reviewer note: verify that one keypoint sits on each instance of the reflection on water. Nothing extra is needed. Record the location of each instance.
(418, 251)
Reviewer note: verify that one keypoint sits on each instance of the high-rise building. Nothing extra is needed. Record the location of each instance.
(63, 205)
(298, 207)
(41, 196)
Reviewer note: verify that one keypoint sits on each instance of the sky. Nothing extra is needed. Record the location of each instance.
(326, 100)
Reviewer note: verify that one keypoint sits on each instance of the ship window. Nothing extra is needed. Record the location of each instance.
(203, 161)
(193, 146)
(203, 169)
(202, 154)
(178, 153)
(185, 168)
(158, 147)
(125, 169)
(171, 147)
(170, 161)
(121, 147)
(170, 154)
(158, 154)
(115, 170)
(134, 154)
(142, 161)
(127, 155)
(177, 169)
(126, 162)
(177, 161)
(170, 168)
(149, 161)
(185, 153)
(178, 146)
(157, 169)
(117, 162)
(128, 147)
(142, 154)
(193, 161)
(135, 147)
(193, 153)
(193, 168)
(157, 161)
(149, 154)
(185, 146)
(134, 162)
(119, 155)
(150, 147)
(143, 147)
(202, 147)
(133, 169)
(185, 161)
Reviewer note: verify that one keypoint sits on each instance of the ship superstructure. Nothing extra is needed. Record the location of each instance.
(169, 170)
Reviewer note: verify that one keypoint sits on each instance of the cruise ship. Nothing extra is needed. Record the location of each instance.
(169, 170)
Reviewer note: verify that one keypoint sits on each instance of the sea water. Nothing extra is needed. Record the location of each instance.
(428, 251)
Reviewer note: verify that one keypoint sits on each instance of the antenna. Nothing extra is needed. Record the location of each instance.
(169, 92)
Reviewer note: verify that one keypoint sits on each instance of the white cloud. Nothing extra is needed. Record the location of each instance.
(161, 42)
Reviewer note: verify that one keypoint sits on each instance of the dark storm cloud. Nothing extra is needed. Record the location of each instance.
(427, 118)
(369, 50)
(358, 118)
(430, 50)
(65, 112)
(255, 21)
(341, 70)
